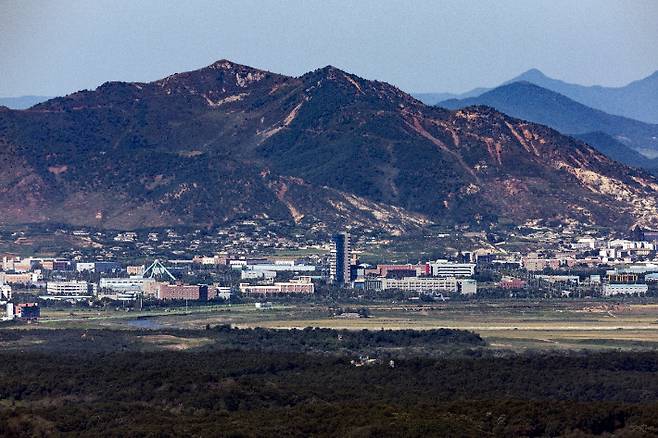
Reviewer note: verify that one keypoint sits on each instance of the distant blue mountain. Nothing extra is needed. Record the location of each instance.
(22, 102)
(528, 101)
(637, 100)
(434, 98)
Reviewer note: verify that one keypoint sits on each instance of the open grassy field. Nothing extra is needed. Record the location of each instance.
(507, 325)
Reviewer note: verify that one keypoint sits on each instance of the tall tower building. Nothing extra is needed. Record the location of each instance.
(340, 259)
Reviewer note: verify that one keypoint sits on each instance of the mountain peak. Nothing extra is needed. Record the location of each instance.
(223, 64)
(330, 72)
(532, 74)
(228, 65)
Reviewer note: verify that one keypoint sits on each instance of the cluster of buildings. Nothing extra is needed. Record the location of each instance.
(438, 277)
(602, 266)
(60, 280)
(617, 266)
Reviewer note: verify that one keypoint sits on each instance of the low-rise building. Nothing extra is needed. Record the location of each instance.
(534, 263)
(445, 268)
(27, 311)
(624, 289)
(280, 267)
(19, 278)
(130, 284)
(135, 270)
(418, 270)
(512, 283)
(430, 284)
(97, 266)
(70, 288)
(257, 275)
(182, 292)
(298, 286)
(5, 292)
(223, 292)
(568, 279)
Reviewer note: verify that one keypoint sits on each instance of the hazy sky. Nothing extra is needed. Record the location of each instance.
(57, 47)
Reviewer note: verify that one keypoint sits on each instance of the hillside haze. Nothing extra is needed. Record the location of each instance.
(230, 142)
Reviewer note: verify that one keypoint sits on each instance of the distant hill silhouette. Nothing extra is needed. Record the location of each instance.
(534, 103)
(637, 100)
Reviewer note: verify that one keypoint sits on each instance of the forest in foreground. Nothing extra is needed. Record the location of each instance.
(248, 390)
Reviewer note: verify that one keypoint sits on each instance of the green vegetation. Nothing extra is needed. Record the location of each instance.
(256, 383)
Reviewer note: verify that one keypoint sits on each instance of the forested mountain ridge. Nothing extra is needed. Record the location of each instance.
(228, 142)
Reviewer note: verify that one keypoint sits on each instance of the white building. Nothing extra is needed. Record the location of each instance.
(223, 292)
(130, 284)
(445, 268)
(72, 287)
(256, 275)
(467, 286)
(85, 266)
(281, 268)
(631, 245)
(430, 284)
(624, 289)
(302, 285)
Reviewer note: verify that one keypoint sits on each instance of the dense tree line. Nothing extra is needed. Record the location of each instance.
(259, 382)
(246, 393)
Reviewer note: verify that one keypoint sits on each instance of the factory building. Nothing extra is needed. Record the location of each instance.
(182, 292)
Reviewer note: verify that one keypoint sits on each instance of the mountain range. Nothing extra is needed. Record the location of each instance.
(326, 149)
(531, 102)
(637, 100)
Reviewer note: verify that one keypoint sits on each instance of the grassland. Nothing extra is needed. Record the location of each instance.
(518, 326)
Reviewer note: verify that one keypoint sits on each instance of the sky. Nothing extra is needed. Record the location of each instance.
(57, 47)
